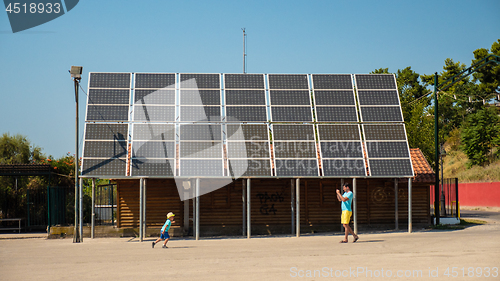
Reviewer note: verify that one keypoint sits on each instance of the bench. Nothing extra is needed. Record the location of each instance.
(11, 228)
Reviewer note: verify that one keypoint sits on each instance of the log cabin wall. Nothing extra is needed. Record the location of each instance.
(222, 210)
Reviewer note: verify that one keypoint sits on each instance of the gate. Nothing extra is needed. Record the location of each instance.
(105, 204)
(448, 198)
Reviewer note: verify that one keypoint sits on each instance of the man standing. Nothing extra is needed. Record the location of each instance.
(346, 200)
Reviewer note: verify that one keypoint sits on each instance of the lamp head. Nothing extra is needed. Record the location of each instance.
(76, 72)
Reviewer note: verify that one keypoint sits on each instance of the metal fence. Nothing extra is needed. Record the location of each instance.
(57, 209)
(449, 205)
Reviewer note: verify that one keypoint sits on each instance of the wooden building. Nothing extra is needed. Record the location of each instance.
(380, 204)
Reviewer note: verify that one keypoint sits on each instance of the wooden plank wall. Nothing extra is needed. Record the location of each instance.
(161, 195)
(271, 203)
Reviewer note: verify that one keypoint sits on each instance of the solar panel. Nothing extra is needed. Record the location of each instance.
(375, 81)
(152, 167)
(199, 81)
(303, 132)
(109, 96)
(109, 80)
(154, 113)
(387, 149)
(200, 149)
(104, 167)
(381, 114)
(332, 81)
(254, 132)
(296, 167)
(107, 113)
(161, 96)
(153, 132)
(200, 113)
(249, 149)
(200, 97)
(294, 149)
(251, 167)
(341, 150)
(343, 167)
(334, 98)
(198, 132)
(108, 149)
(384, 132)
(154, 80)
(288, 81)
(246, 114)
(101, 131)
(160, 112)
(390, 167)
(291, 114)
(290, 97)
(153, 149)
(245, 97)
(336, 114)
(243, 81)
(339, 132)
(201, 168)
(386, 97)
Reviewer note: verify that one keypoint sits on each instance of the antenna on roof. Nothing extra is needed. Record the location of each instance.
(244, 51)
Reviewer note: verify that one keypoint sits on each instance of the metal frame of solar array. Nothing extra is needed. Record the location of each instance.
(339, 134)
(384, 131)
(200, 131)
(294, 145)
(153, 125)
(105, 148)
(217, 129)
(246, 127)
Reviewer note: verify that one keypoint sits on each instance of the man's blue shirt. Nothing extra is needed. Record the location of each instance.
(346, 205)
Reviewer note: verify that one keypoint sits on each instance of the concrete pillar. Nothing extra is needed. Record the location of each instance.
(297, 208)
(355, 205)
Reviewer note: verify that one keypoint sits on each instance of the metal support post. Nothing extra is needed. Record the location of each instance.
(244, 206)
(292, 204)
(249, 226)
(144, 189)
(396, 208)
(76, 236)
(436, 146)
(197, 213)
(141, 188)
(81, 210)
(409, 206)
(355, 205)
(92, 231)
(297, 208)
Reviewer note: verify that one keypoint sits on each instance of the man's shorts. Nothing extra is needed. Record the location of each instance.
(165, 235)
(346, 217)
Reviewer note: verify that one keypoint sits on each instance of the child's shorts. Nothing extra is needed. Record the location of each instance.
(165, 235)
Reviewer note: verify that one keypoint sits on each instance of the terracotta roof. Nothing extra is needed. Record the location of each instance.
(422, 169)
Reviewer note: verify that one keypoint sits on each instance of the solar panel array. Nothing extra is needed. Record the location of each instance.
(244, 125)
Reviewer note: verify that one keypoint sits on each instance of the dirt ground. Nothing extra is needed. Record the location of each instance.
(468, 254)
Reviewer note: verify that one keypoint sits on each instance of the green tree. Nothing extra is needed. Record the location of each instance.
(489, 75)
(480, 133)
(16, 149)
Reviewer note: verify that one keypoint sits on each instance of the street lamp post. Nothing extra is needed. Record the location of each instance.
(76, 74)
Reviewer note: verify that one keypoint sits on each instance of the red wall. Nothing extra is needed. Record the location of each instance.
(479, 194)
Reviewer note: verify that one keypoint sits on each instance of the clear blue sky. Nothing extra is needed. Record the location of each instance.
(37, 96)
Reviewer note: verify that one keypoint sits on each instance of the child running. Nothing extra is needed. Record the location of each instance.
(164, 230)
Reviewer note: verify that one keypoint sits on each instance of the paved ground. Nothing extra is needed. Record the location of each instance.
(421, 255)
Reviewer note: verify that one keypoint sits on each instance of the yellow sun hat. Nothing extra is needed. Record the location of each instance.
(170, 215)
